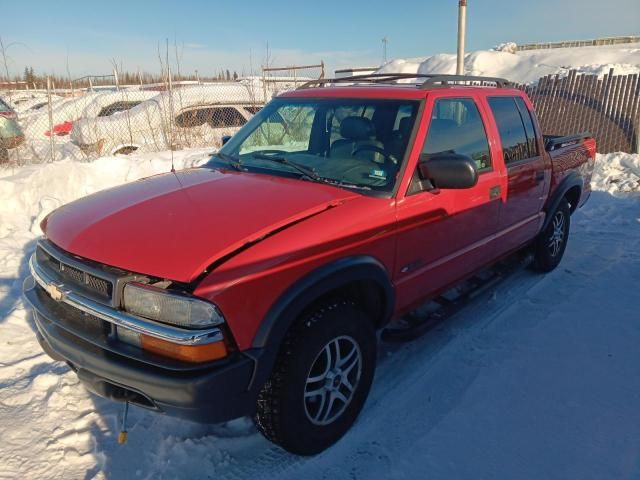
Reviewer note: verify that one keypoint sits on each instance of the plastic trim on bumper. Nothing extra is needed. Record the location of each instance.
(210, 395)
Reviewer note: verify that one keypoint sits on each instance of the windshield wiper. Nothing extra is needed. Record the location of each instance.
(231, 160)
(309, 172)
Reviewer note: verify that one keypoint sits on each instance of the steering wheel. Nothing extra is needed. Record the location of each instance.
(390, 162)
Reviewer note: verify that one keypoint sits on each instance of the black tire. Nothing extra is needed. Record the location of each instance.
(4, 155)
(289, 413)
(552, 241)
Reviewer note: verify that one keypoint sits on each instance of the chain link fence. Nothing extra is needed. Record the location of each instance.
(51, 124)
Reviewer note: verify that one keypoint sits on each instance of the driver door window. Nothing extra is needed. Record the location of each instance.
(456, 126)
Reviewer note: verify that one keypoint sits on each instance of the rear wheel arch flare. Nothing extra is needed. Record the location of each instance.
(570, 185)
(573, 197)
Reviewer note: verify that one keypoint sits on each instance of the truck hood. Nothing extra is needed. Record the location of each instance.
(176, 225)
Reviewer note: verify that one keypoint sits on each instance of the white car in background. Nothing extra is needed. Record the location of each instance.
(28, 101)
(191, 116)
(65, 112)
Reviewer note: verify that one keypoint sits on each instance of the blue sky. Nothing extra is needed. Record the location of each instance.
(213, 35)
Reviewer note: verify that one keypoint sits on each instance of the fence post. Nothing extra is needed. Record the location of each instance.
(115, 75)
(52, 141)
(637, 133)
(264, 85)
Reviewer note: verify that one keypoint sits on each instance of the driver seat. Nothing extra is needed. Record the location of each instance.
(357, 132)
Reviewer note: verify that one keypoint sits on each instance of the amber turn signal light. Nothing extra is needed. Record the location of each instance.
(186, 353)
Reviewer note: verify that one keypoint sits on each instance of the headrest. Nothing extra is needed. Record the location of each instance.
(405, 125)
(442, 124)
(357, 128)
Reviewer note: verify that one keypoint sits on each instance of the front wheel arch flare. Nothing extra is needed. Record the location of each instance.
(339, 276)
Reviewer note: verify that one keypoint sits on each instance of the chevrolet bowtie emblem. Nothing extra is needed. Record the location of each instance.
(55, 291)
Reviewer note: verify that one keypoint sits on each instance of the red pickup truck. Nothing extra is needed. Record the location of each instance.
(255, 284)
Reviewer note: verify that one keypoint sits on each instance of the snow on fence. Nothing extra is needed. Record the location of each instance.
(608, 108)
(143, 118)
(580, 43)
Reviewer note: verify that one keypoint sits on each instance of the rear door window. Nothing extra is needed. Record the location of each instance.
(513, 136)
(216, 117)
(226, 117)
(117, 107)
(456, 127)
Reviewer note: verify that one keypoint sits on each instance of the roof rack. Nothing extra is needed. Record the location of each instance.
(431, 80)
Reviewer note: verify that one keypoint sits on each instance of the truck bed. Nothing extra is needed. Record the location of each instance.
(568, 154)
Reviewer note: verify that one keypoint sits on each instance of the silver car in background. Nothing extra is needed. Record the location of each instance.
(11, 134)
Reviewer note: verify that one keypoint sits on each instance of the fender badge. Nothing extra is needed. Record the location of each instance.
(55, 292)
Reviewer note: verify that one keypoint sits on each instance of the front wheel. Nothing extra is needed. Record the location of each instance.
(552, 241)
(321, 379)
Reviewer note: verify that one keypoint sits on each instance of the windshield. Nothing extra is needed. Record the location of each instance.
(350, 143)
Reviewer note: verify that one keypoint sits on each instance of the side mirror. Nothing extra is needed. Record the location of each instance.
(448, 170)
(225, 139)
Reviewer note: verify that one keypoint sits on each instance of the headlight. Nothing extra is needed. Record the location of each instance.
(167, 307)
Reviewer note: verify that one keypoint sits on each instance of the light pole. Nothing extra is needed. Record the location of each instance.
(462, 25)
(385, 41)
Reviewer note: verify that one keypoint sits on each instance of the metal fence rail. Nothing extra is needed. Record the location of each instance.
(608, 107)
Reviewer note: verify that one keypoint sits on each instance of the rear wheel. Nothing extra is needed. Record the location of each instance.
(321, 379)
(4, 155)
(552, 241)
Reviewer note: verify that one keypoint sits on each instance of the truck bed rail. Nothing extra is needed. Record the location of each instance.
(553, 142)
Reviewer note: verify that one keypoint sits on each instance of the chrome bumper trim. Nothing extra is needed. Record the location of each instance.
(61, 293)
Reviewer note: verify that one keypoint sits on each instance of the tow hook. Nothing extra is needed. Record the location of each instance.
(124, 435)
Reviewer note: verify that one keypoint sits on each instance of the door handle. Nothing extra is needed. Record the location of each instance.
(494, 192)
(540, 176)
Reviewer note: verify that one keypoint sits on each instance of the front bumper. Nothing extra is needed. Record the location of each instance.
(210, 393)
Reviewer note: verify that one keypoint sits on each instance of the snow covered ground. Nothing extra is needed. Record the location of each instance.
(529, 65)
(538, 379)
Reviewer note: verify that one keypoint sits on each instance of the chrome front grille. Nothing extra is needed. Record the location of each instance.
(75, 274)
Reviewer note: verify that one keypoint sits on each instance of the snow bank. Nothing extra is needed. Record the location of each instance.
(616, 173)
(28, 193)
(527, 66)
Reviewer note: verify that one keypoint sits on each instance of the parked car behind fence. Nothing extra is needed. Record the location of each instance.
(194, 116)
(11, 134)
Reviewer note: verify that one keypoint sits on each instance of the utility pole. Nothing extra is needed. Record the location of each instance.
(385, 41)
(462, 26)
